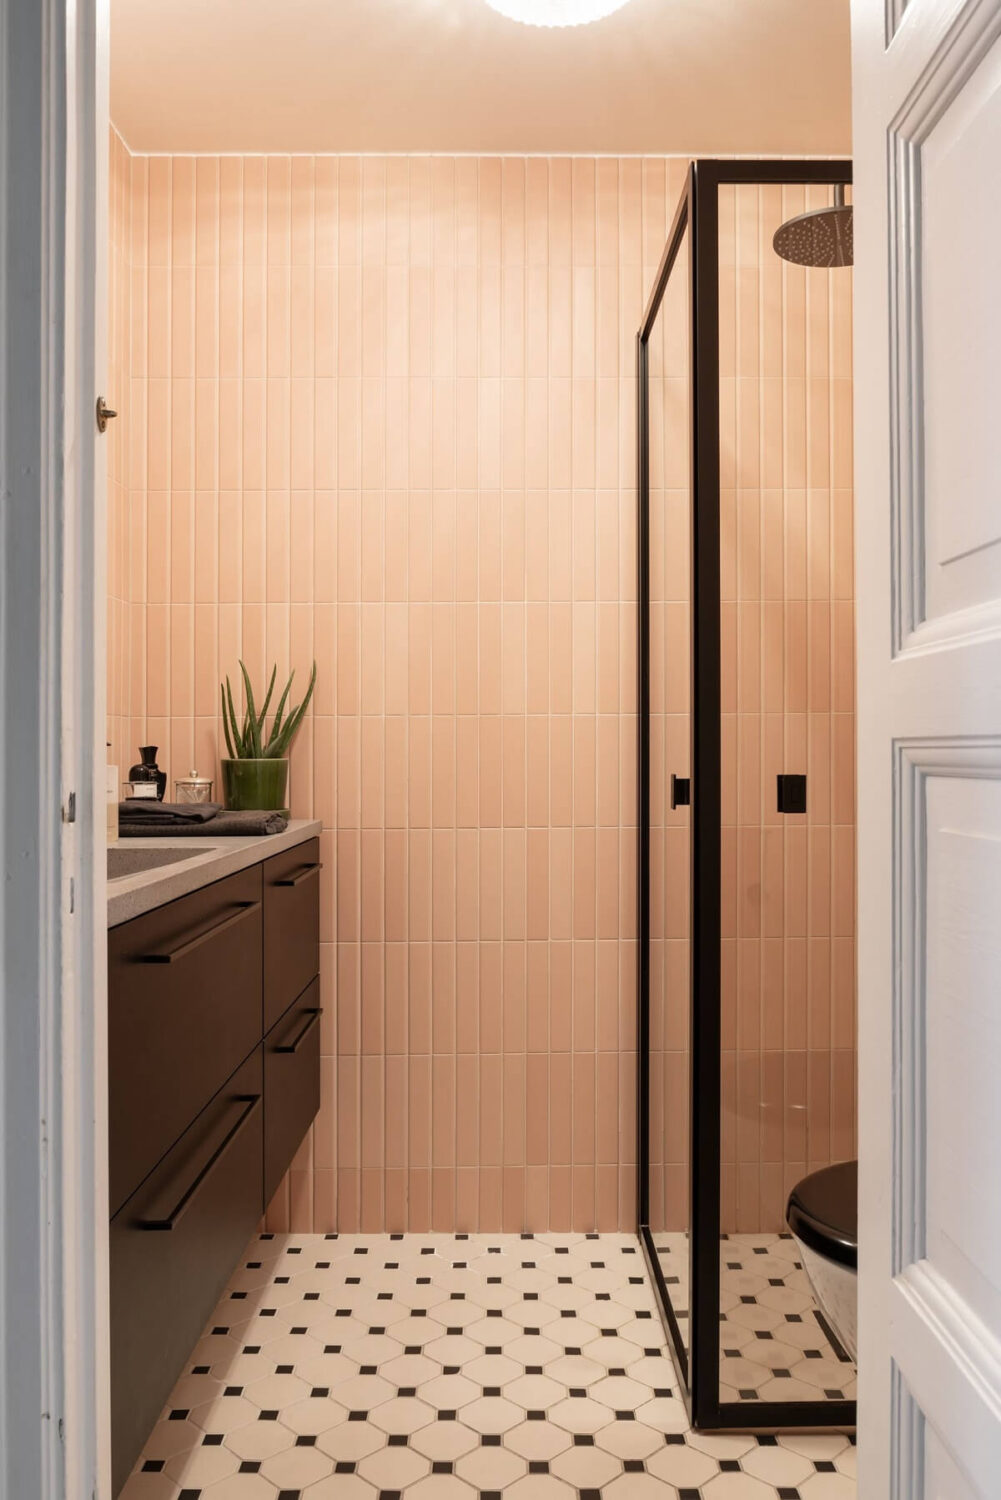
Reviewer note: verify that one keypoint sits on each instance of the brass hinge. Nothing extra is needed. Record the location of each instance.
(104, 414)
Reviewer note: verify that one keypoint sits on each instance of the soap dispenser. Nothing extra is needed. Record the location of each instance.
(146, 774)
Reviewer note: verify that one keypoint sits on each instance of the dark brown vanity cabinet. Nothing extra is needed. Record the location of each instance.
(184, 1010)
(291, 927)
(214, 1079)
(291, 1084)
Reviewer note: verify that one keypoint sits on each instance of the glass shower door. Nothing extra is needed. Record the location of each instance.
(787, 797)
(665, 356)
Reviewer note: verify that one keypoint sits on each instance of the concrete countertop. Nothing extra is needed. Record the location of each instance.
(131, 895)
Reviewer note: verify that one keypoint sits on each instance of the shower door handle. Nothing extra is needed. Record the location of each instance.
(681, 791)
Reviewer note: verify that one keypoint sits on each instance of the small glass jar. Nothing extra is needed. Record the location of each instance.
(193, 788)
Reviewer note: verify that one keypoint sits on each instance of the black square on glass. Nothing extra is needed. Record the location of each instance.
(791, 799)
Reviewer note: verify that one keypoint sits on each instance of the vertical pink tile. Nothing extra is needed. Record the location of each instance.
(430, 324)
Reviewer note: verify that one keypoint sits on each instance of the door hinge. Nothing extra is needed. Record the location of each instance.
(104, 414)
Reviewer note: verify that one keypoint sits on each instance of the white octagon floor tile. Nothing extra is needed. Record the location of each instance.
(447, 1367)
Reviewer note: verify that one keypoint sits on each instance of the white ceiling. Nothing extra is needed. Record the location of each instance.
(661, 76)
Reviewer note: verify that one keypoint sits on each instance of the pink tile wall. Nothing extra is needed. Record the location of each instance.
(788, 705)
(381, 412)
(670, 730)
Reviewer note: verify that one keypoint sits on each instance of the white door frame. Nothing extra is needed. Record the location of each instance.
(53, 1191)
(929, 714)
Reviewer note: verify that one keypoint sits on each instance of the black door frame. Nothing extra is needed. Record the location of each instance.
(698, 215)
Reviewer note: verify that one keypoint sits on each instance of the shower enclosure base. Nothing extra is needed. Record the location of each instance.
(775, 1343)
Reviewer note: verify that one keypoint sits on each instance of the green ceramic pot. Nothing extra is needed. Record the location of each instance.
(255, 785)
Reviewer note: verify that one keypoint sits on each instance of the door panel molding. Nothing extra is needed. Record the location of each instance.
(946, 1362)
(907, 1477)
(916, 763)
(893, 17)
(962, 45)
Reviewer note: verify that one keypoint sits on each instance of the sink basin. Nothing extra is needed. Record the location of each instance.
(123, 862)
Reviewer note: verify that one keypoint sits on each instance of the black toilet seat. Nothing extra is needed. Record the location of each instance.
(823, 1212)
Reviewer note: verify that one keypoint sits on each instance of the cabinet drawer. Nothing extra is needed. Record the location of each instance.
(173, 1247)
(184, 1010)
(291, 1084)
(291, 926)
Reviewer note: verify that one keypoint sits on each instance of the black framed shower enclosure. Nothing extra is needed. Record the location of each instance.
(697, 217)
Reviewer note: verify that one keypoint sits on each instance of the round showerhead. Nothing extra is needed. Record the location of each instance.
(823, 237)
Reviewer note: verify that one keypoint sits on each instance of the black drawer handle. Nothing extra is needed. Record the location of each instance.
(302, 1034)
(306, 873)
(245, 1104)
(171, 955)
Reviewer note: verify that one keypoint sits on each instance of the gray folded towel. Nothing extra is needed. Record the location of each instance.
(223, 825)
(166, 814)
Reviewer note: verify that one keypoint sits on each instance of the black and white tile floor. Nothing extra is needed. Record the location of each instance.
(451, 1367)
(774, 1343)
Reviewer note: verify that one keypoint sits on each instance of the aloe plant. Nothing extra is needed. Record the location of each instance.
(247, 739)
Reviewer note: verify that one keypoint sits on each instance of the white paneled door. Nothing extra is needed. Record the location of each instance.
(927, 140)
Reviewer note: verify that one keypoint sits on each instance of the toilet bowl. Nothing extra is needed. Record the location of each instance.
(823, 1215)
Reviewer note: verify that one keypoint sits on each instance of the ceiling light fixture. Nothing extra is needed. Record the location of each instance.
(556, 12)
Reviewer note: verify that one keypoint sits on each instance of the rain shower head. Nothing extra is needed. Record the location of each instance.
(823, 237)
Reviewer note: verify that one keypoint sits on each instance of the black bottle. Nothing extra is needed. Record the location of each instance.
(148, 770)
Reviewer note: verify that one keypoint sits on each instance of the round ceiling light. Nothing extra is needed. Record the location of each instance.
(556, 12)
